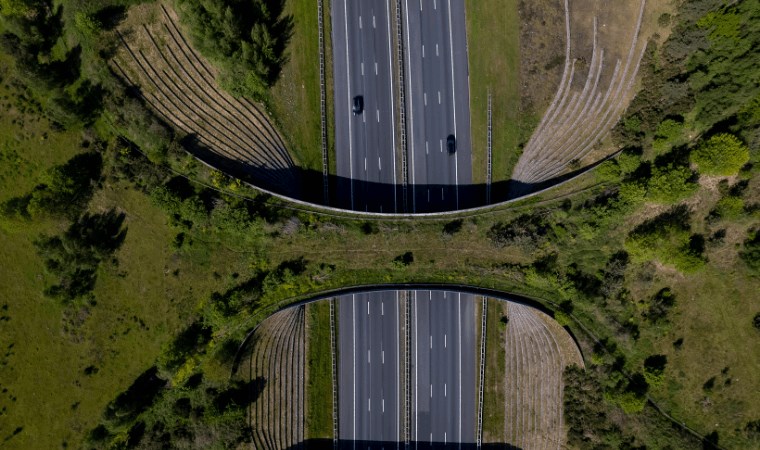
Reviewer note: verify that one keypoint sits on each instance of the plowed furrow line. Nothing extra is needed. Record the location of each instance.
(617, 104)
(209, 112)
(282, 362)
(275, 370)
(286, 359)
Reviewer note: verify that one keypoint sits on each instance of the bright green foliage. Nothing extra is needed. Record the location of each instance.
(667, 238)
(723, 154)
(668, 132)
(730, 207)
(628, 161)
(13, 8)
(721, 25)
(671, 183)
(87, 24)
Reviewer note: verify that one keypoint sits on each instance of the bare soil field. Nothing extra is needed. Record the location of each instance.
(537, 350)
(277, 363)
(232, 134)
(604, 43)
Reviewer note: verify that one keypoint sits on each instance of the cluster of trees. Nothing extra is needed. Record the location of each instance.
(668, 238)
(247, 38)
(527, 231)
(33, 31)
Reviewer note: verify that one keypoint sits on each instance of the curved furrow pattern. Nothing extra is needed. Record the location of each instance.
(579, 117)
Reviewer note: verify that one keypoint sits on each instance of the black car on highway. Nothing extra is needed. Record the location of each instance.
(358, 104)
(451, 144)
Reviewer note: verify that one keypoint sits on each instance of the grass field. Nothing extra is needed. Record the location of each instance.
(319, 389)
(493, 29)
(494, 395)
(295, 96)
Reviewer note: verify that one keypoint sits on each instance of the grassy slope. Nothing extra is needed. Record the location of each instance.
(493, 30)
(319, 419)
(494, 394)
(295, 97)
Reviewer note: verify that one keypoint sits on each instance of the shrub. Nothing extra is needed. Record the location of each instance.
(723, 154)
(526, 230)
(751, 253)
(728, 207)
(671, 183)
(654, 369)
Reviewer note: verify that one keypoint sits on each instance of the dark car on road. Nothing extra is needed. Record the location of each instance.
(358, 104)
(451, 144)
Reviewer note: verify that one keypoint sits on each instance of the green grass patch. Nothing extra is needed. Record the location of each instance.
(493, 29)
(494, 394)
(319, 390)
(295, 96)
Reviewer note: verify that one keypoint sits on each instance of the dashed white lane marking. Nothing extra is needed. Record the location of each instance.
(426, 147)
(431, 341)
(362, 68)
(445, 392)
(378, 115)
(441, 141)
(369, 404)
(383, 405)
(367, 302)
(439, 97)
(420, 5)
(423, 50)
(382, 309)
(375, 67)
(373, 22)
(434, 5)
(444, 341)
(436, 50)
(379, 166)
(431, 390)
(424, 97)
(365, 169)
(383, 356)
(360, 22)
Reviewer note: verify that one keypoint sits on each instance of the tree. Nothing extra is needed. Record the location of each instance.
(723, 154)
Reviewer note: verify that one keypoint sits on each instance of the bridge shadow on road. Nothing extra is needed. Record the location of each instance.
(307, 185)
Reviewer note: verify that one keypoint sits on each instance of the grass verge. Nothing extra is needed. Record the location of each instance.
(493, 29)
(319, 419)
(493, 394)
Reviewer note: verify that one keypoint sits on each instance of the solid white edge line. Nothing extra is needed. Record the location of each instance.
(411, 103)
(454, 102)
(350, 140)
(393, 104)
(416, 376)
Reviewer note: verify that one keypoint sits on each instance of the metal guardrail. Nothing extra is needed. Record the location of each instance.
(334, 354)
(407, 371)
(488, 150)
(323, 102)
(482, 370)
(402, 103)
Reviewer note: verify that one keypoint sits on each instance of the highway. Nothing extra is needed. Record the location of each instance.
(438, 103)
(442, 371)
(369, 372)
(365, 144)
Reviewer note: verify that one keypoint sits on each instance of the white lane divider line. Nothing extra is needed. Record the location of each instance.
(379, 166)
(424, 96)
(444, 341)
(360, 22)
(365, 169)
(383, 356)
(423, 50)
(382, 305)
(426, 147)
(431, 341)
(378, 115)
(375, 67)
(445, 391)
(441, 142)
(373, 22)
(369, 359)
(436, 50)
(383, 405)
(420, 5)
(367, 302)
(369, 404)
(362, 68)
(431, 390)
(439, 97)
(434, 5)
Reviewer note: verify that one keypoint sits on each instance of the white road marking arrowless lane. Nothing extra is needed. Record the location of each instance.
(365, 169)
(373, 22)
(426, 147)
(436, 50)
(379, 166)
(378, 115)
(362, 69)
(424, 96)
(360, 22)
(441, 142)
(423, 50)
(375, 67)
(369, 359)
(439, 97)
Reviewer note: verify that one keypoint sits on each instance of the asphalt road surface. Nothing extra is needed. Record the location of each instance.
(443, 369)
(365, 144)
(438, 102)
(371, 370)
